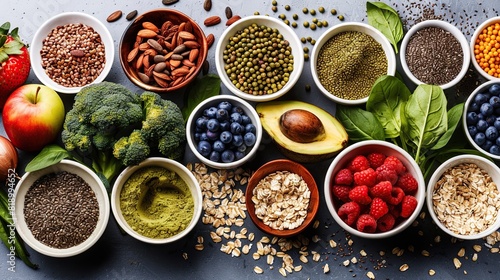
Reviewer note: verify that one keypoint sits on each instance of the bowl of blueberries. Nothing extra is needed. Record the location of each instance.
(224, 131)
(481, 119)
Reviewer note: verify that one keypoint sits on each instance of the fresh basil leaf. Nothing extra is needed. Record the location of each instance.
(202, 88)
(48, 156)
(386, 97)
(386, 20)
(454, 116)
(359, 124)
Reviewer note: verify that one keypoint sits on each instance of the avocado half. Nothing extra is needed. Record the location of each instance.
(303, 132)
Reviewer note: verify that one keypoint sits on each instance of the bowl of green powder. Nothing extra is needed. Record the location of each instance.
(157, 201)
(347, 60)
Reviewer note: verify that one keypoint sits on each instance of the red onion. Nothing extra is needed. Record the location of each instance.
(8, 157)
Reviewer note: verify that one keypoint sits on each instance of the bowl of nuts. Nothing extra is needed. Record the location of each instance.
(270, 69)
(348, 58)
(163, 50)
(61, 210)
(282, 198)
(71, 50)
(484, 49)
(224, 131)
(463, 197)
(374, 189)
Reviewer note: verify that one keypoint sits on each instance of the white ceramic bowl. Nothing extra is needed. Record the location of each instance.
(483, 163)
(214, 101)
(63, 19)
(476, 33)
(95, 183)
(365, 147)
(171, 165)
(345, 27)
(445, 26)
(288, 34)
(481, 88)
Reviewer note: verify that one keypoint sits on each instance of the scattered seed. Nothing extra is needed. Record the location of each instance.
(131, 15)
(207, 5)
(114, 16)
(169, 2)
(228, 12)
(404, 267)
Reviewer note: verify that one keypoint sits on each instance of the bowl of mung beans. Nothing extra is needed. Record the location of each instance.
(485, 46)
(71, 50)
(348, 58)
(61, 210)
(259, 58)
(435, 52)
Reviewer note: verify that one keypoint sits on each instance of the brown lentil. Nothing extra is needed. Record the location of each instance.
(66, 69)
(349, 63)
(61, 210)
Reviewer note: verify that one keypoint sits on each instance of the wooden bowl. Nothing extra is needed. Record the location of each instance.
(293, 167)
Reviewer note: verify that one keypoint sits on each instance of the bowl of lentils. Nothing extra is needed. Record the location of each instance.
(435, 52)
(484, 45)
(61, 210)
(71, 50)
(259, 58)
(224, 131)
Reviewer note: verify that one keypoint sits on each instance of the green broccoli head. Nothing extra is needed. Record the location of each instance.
(131, 150)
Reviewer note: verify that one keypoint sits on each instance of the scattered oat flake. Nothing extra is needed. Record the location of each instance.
(333, 244)
(404, 267)
(282, 271)
(477, 248)
(425, 253)
(363, 253)
(461, 252)
(346, 262)
(370, 275)
(474, 257)
(457, 263)
(326, 268)
(495, 250)
(432, 272)
(258, 270)
(185, 256)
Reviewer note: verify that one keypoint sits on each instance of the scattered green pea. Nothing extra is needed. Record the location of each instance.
(312, 12)
(306, 24)
(282, 16)
(274, 8)
(321, 9)
(306, 49)
(319, 24)
(325, 23)
(309, 39)
(294, 24)
(303, 40)
(341, 17)
(287, 7)
(308, 87)
(313, 26)
(313, 42)
(256, 13)
(306, 56)
(333, 12)
(275, 3)
(315, 20)
(295, 16)
(287, 22)
(305, 10)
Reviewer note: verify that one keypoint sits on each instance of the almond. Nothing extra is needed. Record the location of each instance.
(180, 72)
(146, 33)
(192, 44)
(151, 26)
(186, 35)
(213, 20)
(132, 54)
(114, 16)
(232, 20)
(193, 55)
(210, 40)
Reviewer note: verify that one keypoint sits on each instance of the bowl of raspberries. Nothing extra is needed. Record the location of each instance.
(224, 131)
(374, 189)
(481, 119)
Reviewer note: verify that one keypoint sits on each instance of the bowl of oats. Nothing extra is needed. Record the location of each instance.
(282, 198)
(463, 197)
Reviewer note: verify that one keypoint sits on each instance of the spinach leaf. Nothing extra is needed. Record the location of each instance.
(386, 20)
(359, 124)
(203, 88)
(454, 116)
(48, 156)
(384, 101)
(424, 117)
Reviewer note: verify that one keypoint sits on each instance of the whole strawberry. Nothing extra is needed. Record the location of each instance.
(14, 62)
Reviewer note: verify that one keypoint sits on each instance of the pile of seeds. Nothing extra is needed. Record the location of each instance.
(73, 55)
(61, 210)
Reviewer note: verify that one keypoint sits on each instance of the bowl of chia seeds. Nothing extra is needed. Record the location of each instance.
(270, 69)
(435, 52)
(347, 60)
(61, 210)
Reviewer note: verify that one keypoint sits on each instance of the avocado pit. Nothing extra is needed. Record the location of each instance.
(301, 126)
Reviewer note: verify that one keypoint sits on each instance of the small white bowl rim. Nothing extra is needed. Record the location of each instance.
(451, 162)
(221, 165)
(101, 195)
(291, 36)
(65, 18)
(420, 196)
(354, 26)
(162, 162)
(464, 117)
(476, 33)
(443, 25)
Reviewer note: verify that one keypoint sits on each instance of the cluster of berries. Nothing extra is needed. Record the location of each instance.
(375, 192)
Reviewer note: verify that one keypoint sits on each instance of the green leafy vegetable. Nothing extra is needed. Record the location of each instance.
(359, 124)
(203, 88)
(48, 156)
(454, 116)
(386, 20)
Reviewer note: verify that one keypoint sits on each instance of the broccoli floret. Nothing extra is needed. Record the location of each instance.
(132, 149)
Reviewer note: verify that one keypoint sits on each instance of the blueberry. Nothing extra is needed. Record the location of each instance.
(474, 106)
(237, 140)
(239, 155)
(486, 109)
(218, 146)
(226, 137)
(242, 148)
(227, 156)
(494, 149)
(480, 98)
(222, 115)
(213, 125)
(225, 125)
(487, 145)
(479, 138)
(491, 133)
(210, 112)
(490, 119)
(495, 101)
(203, 136)
(237, 109)
(482, 125)
(249, 139)
(472, 118)
(212, 135)
(494, 89)
(250, 128)
(497, 141)
(197, 136)
(226, 105)
(236, 117)
(472, 130)
(214, 156)
(201, 122)
(237, 128)
(204, 148)
(245, 120)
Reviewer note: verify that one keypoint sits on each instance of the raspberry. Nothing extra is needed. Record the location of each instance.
(396, 163)
(359, 163)
(408, 205)
(360, 195)
(343, 177)
(382, 190)
(386, 172)
(349, 212)
(394, 210)
(386, 222)
(378, 208)
(408, 183)
(341, 192)
(366, 177)
(376, 159)
(397, 195)
(366, 223)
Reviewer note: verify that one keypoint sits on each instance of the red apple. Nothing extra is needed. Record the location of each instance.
(33, 117)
